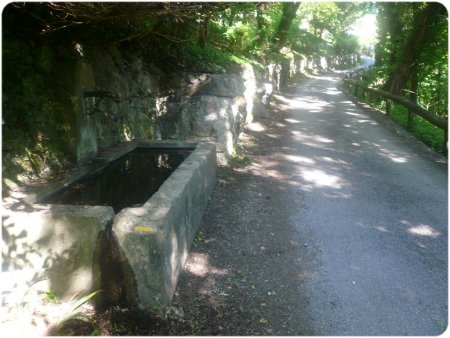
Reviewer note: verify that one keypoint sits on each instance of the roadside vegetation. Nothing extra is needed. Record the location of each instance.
(411, 60)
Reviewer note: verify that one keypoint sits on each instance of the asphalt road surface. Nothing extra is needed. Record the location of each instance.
(375, 207)
(336, 226)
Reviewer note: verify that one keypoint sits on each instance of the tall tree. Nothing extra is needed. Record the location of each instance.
(424, 20)
(289, 12)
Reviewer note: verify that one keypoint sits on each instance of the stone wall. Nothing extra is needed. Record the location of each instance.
(63, 105)
(79, 101)
(216, 107)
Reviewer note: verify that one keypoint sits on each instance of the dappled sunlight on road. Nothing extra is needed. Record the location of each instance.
(255, 126)
(315, 141)
(325, 78)
(299, 159)
(328, 151)
(310, 103)
(199, 265)
(382, 150)
(292, 121)
(382, 229)
(422, 230)
(332, 91)
(355, 187)
(320, 178)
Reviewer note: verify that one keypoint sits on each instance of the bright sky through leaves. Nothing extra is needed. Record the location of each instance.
(365, 29)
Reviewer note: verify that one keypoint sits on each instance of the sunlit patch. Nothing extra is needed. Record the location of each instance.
(312, 104)
(337, 194)
(392, 156)
(275, 174)
(368, 121)
(311, 140)
(322, 179)
(198, 265)
(230, 143)
(211, 117)
(424, 230)
(382, 229)
(278, 124)
(300, 159)
(292, 120)
(322, 139)
(353, 114)
(272, 135)
(421, 245)
(325, 78)
(332, 160)
(332, 91)
(398, 159)
(256, 126)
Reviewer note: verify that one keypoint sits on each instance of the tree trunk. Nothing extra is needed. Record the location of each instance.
(260, 8)
(289, 13)
(423, 20)
(203, 31)
(413, 95)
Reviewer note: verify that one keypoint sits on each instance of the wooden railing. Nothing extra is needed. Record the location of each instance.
(412, 107)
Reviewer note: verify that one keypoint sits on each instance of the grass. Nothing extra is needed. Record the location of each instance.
(422, 129)
(72, 312)
(425, 131)
(242, 159)
(51, 297)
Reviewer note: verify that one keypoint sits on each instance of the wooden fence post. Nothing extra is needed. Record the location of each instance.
(412, 107)
(411, 116)
(445, 150)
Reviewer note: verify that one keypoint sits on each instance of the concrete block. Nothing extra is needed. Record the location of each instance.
(155, 238)
(53, 243)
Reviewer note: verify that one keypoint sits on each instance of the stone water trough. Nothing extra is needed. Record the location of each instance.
(134, 255)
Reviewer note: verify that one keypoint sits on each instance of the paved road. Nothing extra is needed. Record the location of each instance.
(338, 226)
(375, 208)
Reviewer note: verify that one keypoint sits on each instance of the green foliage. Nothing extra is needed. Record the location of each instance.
(200, 237)
(72, 312)
(397, 22)
(422, 129)
(399, 25)
(244, 159)
(51, 297)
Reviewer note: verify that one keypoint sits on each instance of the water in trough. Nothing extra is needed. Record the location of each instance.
(128, 181)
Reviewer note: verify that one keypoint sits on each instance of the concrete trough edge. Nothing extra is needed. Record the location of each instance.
(53, 244)
(156, 237)
(164, 227)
